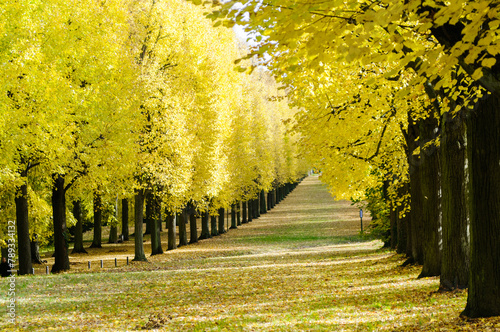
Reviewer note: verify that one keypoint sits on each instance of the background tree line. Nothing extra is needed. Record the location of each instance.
(133, 105)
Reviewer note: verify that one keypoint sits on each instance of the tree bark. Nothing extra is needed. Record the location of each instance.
(182, 228)
(402, 227)
(61, 235)
(483, 152)
(416, 211)
(35, 251)
(139, 221)
(250, 210)
(97, 241)
(222, 228)
(153, 223)
(431, 202)
(205, 230)
(193, 229)
(125, 232)
(156, 248)
(23, 231)
(256, 207)
(171, 221)
(77, 213)
(213, 226)
(149, 212)
(233, 217)
(113, 234)
(244, 219)
(238, 214)
(263, 205)
(455, 254)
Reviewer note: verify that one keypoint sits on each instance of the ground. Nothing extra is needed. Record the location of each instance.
(301, 267)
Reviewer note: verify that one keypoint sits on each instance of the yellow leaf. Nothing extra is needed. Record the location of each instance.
(488, 62)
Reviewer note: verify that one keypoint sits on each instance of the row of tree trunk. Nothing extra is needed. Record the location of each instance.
(212, 225)
(453, 228)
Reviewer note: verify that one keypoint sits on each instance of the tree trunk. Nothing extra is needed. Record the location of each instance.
(182, 228)
(97, 241)
(263, 205)
(455, 255)
(35, 251)
(244, 219)
(23, 231)
(233, 217)
(156, 248)
(60, 231)
(77, 213)
(172, 236)
(193, 229)
(222, 228)
(430, 186)
(113, 234)
(154, 233)
(238, 214)
(213, 226)
(416, 211)
(394, 226)
(139, 221)
(113, 230)
(250, 211)
(402, 221)
(125, 219)
(149, 212)
(256, 207)
(483, 152)
(205, 229)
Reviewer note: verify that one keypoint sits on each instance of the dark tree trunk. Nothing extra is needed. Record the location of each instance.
(263, 205)
(256, 207)
(61, 235)
(182, 228)
(125, 219)
(455, 255)
(244, 219)
(430, 186)
(213, 226)
(402, 225)
(233, 216)
(172, 236)
(483, 152)
(153, 222)
(156, 248)
(113, 234)
(238, 214)
(416, 204)
(77, 213)
(250, 210)
(222, 228)
(35, 251)
(23, 231)
(97, 241)
(193, 229)
(139, 221)
(394, 226)
(149, 212)
(205, 229)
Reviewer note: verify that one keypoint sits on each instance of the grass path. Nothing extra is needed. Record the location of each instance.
(300, 267)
